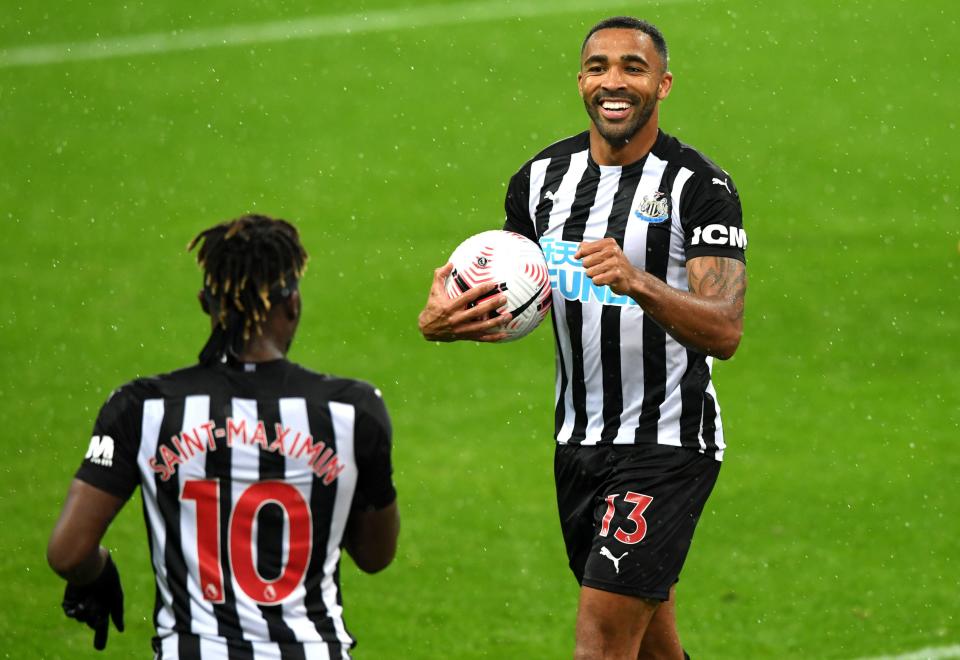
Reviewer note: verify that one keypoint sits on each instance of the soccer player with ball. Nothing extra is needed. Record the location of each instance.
(643, 243)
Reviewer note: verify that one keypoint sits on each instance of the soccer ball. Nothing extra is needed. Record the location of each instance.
(516, 264)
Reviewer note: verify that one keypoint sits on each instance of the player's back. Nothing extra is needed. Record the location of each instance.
(248, 474)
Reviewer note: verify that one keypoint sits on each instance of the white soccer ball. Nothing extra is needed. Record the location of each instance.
(516, 264)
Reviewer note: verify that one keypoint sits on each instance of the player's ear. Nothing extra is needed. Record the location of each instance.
(203, 302)
(292, 305)
(666, 83)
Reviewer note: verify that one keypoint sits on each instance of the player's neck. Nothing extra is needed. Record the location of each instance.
(637, 147)
(263, 349)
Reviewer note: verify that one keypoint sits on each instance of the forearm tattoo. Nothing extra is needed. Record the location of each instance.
(719, 277)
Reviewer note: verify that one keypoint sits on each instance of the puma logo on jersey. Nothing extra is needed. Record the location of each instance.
(616, 560)
(100, 451)
(552, 196)
(722, 182)
(720, 235)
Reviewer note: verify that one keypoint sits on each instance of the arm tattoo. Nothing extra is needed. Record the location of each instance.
(719, 277)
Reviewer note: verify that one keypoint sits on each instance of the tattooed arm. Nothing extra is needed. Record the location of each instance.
(708, 318)
(719, 285)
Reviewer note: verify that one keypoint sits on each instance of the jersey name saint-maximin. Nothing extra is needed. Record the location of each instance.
(249, 474)
(621, 379)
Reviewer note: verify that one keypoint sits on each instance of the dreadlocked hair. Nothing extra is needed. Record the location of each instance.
(248, 264)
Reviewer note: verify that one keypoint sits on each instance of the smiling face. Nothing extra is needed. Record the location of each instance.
(622, 79)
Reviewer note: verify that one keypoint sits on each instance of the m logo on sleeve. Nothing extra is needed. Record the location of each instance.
(100, 451)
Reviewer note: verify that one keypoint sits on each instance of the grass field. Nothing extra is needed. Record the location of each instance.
(833, 530)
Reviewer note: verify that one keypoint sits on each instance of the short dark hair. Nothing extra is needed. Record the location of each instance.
(631, 23)
(248, 264)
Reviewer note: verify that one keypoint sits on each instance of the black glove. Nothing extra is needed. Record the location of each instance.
(95, 603)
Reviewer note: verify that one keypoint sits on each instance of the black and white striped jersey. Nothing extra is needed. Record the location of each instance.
(620, 378)
(249, 474)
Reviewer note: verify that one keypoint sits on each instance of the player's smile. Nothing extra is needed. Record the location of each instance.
(619, 113)
(615, 108)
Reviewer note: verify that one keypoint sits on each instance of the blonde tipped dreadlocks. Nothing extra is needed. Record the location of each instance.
(248, 264)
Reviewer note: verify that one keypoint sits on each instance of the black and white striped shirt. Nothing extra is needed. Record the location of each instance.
(249, 473)
(620, 378)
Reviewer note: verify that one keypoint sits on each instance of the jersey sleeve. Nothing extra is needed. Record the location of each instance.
(374, 437)
(517, 205)
(110, 463)
(711, 216)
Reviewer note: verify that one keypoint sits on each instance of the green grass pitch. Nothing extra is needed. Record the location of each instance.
(833, 530)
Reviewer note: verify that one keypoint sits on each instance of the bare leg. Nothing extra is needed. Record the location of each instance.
(661, 641)
(611, 626)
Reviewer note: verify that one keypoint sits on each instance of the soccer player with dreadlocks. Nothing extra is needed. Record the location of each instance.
(254, 472)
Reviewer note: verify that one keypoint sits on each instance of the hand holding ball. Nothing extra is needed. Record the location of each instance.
(517, 267)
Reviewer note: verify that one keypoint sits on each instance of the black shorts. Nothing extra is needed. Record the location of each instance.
(628, 513)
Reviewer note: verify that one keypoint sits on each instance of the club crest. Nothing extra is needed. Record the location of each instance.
(653, 208)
